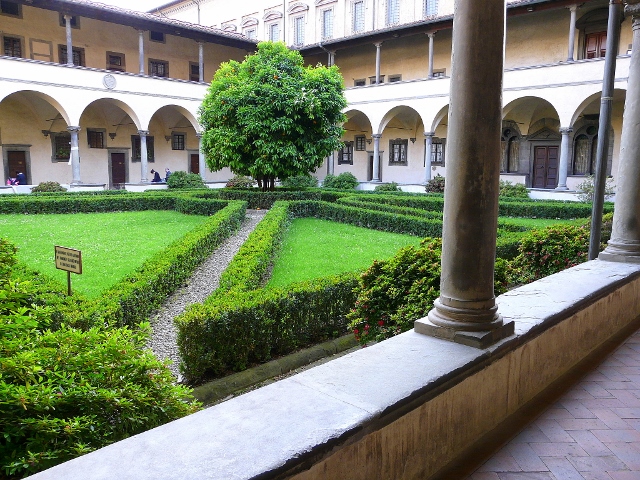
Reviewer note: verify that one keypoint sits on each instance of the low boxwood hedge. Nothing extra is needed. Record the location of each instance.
(261, 200)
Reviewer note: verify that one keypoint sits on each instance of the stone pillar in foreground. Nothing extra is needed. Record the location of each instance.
(624, 245)
(563, 168)
(376, 158)
(74, 157)
(144, 156)
(466, 310)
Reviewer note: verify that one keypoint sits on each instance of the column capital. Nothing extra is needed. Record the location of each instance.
(573, 7)
(66, 16)
(566, 130)
(378, 44)
(431, 34)
(200, 42)
(632, 7)
(73, 128)
(376, 135)
(140, 32)
(199, 135)
(429, 134)
(143, 133)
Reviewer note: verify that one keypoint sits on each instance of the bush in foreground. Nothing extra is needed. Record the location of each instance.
(240, 181)
(43, 187)
(388, 187)
(344, 181)
(435, 185)
(513, 190)
(185, 180)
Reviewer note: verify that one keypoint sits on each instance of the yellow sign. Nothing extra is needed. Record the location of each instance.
(68, 259)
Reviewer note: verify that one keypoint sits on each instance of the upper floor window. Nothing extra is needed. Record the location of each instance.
(327, 24)
(393, 12)
(358, 16)
(115, 61)
(395, 78)
(73, 19)
(360, 143)
(194, 72)
(345, 157)
(156, 36)
(10, 8)
(250, 33)
(398, 151)
(593, 33)
(430, 7)
(158, 68)
(12, 46)
(298, 31)
(359, 82)
(274, 32)
(78, 55)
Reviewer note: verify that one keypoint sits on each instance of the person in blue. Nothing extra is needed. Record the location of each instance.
(156, 177)
(21, 178)
(167, 172)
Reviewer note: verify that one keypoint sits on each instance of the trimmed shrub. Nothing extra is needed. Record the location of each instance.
(300, 181)
(358, 202)
(48, 187)
(241, 181)
(257, 199)
(344, 181)
(513, 190)
(184, 180)
(238, 330)
(388, 187)
(587, 189)
(435, 185)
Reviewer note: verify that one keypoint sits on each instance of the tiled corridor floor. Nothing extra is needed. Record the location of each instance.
(591, 431)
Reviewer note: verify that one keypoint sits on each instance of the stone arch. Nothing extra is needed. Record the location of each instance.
(527, 111)
(42, 96)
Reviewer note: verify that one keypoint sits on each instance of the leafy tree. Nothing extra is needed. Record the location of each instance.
(270, 117)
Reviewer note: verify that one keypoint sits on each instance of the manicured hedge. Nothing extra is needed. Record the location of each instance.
(261, 200)
(85, 204)
(548, 209)
(250, 265)
(250, 327)
(358, 202)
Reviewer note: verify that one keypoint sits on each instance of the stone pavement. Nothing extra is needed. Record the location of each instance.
(591, 431)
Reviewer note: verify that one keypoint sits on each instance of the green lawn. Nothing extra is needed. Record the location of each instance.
(112, 244)
(315, 248)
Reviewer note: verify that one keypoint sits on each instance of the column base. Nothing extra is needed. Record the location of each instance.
(562, 188)
(622, 252)
(476, 339)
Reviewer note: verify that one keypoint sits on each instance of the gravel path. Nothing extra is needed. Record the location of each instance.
(204, 281)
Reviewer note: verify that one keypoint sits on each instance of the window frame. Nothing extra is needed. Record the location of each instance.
(359, 82)
(178, 141)
(248, 33)
(12, 15)
(97, 133)
(431, 8)
(112, 66)
(56, 139)
(392, 14)
(345, 154)
(299, 22)
(438, 150)
(156, 32)
(270, 28)
(194, 77)
(20, 41)
(360, 143)
(323, 23)
(372, 80)
(62, 55)
(136, 148)
(394, 78)
(403, 161)
(157, 61)
(357, 22)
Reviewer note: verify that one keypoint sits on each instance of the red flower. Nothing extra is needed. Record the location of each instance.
(356, 331)
(381, 323)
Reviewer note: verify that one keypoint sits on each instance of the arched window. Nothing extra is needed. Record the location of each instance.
(585, 145)
(510, 152)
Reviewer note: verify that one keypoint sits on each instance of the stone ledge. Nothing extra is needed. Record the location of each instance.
(371, 410)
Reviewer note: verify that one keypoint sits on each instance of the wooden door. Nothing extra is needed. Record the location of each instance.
(545, 167)
(118, 170)
(595, 45)
(17, 162)
(194, 163)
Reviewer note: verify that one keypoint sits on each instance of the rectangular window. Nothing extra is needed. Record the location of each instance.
(394, 78)
(115, 61)
(372, 80)
(95, 138)
(430, 7)
(439, 73)
(274, 32)
(298, 31)
(393, 12)
(10, 8)
(78, 55)
(358, 16)
(398, 151)
(194, 72)
(345, 156)
(61, 146)
(12, 47)
(158, 68)
(177, 141)
(156, 36)
(359, 82)
(136, 149)
(75, 21)
(360, 142)
(327, 24)
(250, 34)
(437, 151)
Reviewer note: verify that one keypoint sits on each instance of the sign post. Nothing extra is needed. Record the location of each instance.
(69, 260)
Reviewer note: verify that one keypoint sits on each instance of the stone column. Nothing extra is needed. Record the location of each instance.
(144, 156)
(431, 35)
(74, 158)
(572, 32)
(201, 162)
(331, 159)
(331, 58)
(466, 310)
(67, 25)
(141, 51)
(563, 168)
(427, 155)
(378, 45)
(201, 61)
(376, 158)
(624, 245)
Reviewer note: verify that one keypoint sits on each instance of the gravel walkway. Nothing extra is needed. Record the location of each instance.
(203, 282)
